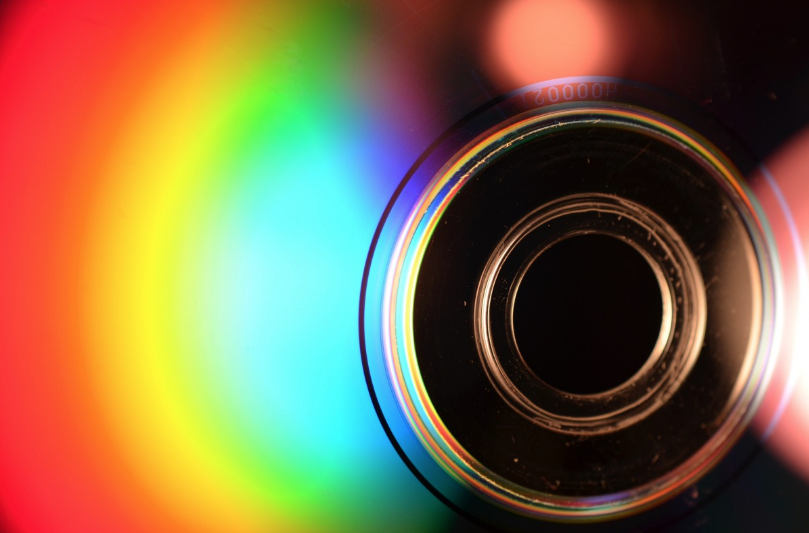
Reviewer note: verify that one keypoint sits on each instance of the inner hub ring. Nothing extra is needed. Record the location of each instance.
(681, 333)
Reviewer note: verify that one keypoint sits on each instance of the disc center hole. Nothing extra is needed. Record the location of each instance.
(587, 314)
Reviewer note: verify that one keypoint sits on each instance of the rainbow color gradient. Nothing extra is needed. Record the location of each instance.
(188, 194)
(186, 205)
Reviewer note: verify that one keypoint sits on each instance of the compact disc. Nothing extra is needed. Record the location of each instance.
(367, 266)
(549, 223)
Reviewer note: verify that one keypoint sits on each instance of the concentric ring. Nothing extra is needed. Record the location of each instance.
(422, 362)
(678, 345)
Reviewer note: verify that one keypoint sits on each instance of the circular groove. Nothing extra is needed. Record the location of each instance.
(682, 328)
(586, 468)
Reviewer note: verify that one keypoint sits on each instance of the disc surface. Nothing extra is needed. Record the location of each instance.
(201, 207)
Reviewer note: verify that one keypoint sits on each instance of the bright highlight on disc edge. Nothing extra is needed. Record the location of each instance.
(784, 417)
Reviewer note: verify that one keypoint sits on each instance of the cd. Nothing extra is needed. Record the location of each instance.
(525, 265)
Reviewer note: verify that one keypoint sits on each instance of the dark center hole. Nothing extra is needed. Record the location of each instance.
(587, 314)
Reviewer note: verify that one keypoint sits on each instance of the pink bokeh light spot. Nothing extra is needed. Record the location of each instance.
(539, 40)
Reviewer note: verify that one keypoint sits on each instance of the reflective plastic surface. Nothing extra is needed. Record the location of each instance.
(188, 195)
